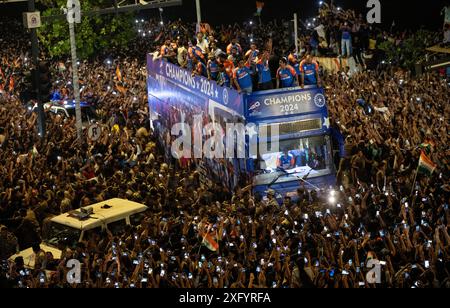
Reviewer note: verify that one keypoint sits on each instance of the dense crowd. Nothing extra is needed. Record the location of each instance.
(302, 243)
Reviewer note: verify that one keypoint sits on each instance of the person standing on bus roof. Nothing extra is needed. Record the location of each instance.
(212, 68)
(286, 75)
(242, 77)
(182, 54)
(234, 43)
(223, 78)
(165, 48)
(228, 65)
(264, 75)
(235, 56)
(252, 53)
(202, 43)
(309, 72)
(195, 52)
(293, 61)
(199, 68)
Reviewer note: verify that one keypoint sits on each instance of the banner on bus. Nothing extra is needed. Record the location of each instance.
(195, 84)
(282, 103)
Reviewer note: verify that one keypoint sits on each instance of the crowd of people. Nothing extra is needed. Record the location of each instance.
(380, 212)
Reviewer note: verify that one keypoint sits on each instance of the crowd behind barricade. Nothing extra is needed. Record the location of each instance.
(385, 115)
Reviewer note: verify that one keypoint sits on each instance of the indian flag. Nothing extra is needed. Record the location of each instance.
(426, 166)
(209, 241)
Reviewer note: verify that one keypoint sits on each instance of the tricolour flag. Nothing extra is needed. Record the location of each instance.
(426, 166)
(209, 241)
(259, 7)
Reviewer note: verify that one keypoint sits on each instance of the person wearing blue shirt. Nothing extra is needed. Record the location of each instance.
(286, 161)
(309, 72)
(264, 75)
(242, 78)
(294, 62)
(346, 42)
(213, 68)
(223, 78)
(286, 75)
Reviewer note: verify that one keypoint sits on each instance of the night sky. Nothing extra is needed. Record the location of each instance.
(407, 14)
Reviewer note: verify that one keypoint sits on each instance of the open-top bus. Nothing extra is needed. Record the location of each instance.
(299, 118)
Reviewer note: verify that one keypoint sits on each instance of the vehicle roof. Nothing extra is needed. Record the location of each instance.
(119, 209)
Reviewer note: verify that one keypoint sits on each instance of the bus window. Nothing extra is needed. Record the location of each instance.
(117, 227)
(309, 152)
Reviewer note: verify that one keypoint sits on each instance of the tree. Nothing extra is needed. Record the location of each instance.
(93, 35)
(411, 50)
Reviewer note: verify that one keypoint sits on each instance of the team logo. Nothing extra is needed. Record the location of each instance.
(225, 96)
(254, 108)
(319, 100)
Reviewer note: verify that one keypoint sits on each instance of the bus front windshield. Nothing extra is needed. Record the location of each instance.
(310, 155)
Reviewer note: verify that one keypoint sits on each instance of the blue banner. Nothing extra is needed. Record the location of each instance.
(164, 71)
(283, 103)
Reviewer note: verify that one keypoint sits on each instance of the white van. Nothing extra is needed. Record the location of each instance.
(75, 226)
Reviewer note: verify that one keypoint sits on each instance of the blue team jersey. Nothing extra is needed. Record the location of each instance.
(213, 69)
(242, 75)
(287, 76)
(201, 69)
(225, 78)
(263, 72)
(310, 70)
(286, 161)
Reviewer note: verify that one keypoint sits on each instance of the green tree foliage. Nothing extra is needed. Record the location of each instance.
(409, 51)
(94, 34)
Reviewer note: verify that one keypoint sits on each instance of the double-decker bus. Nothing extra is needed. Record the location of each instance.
(296, 146)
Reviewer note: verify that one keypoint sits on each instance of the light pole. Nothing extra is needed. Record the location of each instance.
(35, 76)
(74, 16)
(199, 12)
(296, 34)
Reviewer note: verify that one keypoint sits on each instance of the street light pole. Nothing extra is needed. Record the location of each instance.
(73, 15)
(296, 34)
(36, 82)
